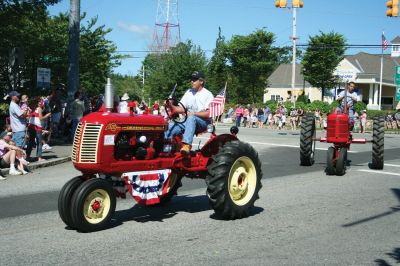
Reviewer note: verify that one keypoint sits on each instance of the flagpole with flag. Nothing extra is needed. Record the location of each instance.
(384, 47)
(217, 105)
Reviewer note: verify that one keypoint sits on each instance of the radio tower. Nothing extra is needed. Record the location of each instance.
(166, 30)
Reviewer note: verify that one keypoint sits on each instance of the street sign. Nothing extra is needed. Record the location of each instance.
(43, 77)
(397, 75)
(398, 93)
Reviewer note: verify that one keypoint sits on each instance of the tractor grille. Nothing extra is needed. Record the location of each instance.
(86, 143)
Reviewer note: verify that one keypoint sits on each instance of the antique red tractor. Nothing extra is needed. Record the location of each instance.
(339, 134)
(127, 153)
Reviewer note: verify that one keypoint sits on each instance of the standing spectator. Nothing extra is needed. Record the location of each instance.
(246, 116)
(363, 121)
(260, 117)
(389, 120)
(239, 114)
(317, 115)
(356, 120)
(123, 104)
(293, 118)
(156, 108)
(17, 120)
(324, 121)
(99, 103)
(77, 110)
(267, 112)
(8, 154)
(35, 129)
(300, 114)
(397, 117)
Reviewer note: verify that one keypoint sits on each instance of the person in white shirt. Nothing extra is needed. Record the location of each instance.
(123, 104)
(196, 100)
(351, 99)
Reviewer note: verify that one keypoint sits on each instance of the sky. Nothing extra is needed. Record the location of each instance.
(133, 22)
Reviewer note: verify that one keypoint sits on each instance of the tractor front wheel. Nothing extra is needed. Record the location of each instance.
(64, 200)
(93, 205)
(234, 180)
(307, 141)
(378, 136)
(330, 162)
(341, 162)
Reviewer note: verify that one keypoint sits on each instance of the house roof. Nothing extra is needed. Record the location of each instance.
(396, 40)
(282, 77)
(368, 65)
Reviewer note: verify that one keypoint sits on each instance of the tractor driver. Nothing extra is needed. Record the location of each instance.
(351, 100)
(196, 100)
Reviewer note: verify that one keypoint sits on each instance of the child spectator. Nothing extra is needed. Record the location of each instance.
(8, 154)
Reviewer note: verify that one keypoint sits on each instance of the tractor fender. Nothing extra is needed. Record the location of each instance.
(214, 144)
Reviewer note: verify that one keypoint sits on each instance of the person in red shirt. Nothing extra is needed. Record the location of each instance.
(156, 108)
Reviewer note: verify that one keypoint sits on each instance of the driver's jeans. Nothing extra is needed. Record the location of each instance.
(192, 125)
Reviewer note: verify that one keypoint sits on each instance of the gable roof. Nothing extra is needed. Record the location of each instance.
(369, 66)
(282, 77)
(396, 40)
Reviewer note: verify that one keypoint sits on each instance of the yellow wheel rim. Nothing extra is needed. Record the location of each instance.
(97, 206)
(242, 180)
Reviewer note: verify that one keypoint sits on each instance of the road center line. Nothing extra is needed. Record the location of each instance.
(378, 172)
(282, 145)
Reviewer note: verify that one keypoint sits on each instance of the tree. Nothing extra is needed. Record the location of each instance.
(128, 84)
(324, 53)
(251, 59)
(217, 69)
(163, 71)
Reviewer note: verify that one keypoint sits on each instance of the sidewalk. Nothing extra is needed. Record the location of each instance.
(60, 153)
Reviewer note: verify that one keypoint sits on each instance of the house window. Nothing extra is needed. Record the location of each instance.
(396, 48)
(275, 98)
(387, 102)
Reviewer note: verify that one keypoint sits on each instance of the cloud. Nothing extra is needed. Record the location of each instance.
(134, 28)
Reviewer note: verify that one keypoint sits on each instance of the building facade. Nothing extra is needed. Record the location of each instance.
(362, 68)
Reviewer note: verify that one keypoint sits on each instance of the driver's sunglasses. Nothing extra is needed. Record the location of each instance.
(194, 79)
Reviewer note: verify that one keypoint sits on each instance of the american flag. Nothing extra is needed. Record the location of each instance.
(218, 104)
(384, 42)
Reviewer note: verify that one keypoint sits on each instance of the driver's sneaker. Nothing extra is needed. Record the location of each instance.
(14, 172)
(185, 150)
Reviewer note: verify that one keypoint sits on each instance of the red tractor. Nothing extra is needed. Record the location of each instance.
(339, 134)
(132, 150)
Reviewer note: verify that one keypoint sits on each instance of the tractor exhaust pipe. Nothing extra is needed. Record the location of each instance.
(109, 96)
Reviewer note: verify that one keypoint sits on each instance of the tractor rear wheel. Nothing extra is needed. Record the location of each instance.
(307, 141)
(330, 163)
(93, 205)
(234, 180)
(378, 136)
(175, 183)
(341, 162)
(64, 200)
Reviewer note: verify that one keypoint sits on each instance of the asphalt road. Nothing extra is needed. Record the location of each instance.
(303, 217)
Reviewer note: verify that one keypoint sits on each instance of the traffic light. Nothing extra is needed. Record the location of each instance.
(393, 6)
(298, 3)
(280, 3)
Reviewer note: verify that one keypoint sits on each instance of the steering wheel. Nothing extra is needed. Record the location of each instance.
(177, 118)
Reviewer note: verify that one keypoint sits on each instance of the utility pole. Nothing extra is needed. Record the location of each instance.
(73, 52)
(295, 4)
(294, 92)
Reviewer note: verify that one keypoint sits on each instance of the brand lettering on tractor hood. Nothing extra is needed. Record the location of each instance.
(114, 127)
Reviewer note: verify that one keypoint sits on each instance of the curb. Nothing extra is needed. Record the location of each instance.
(36, 165)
